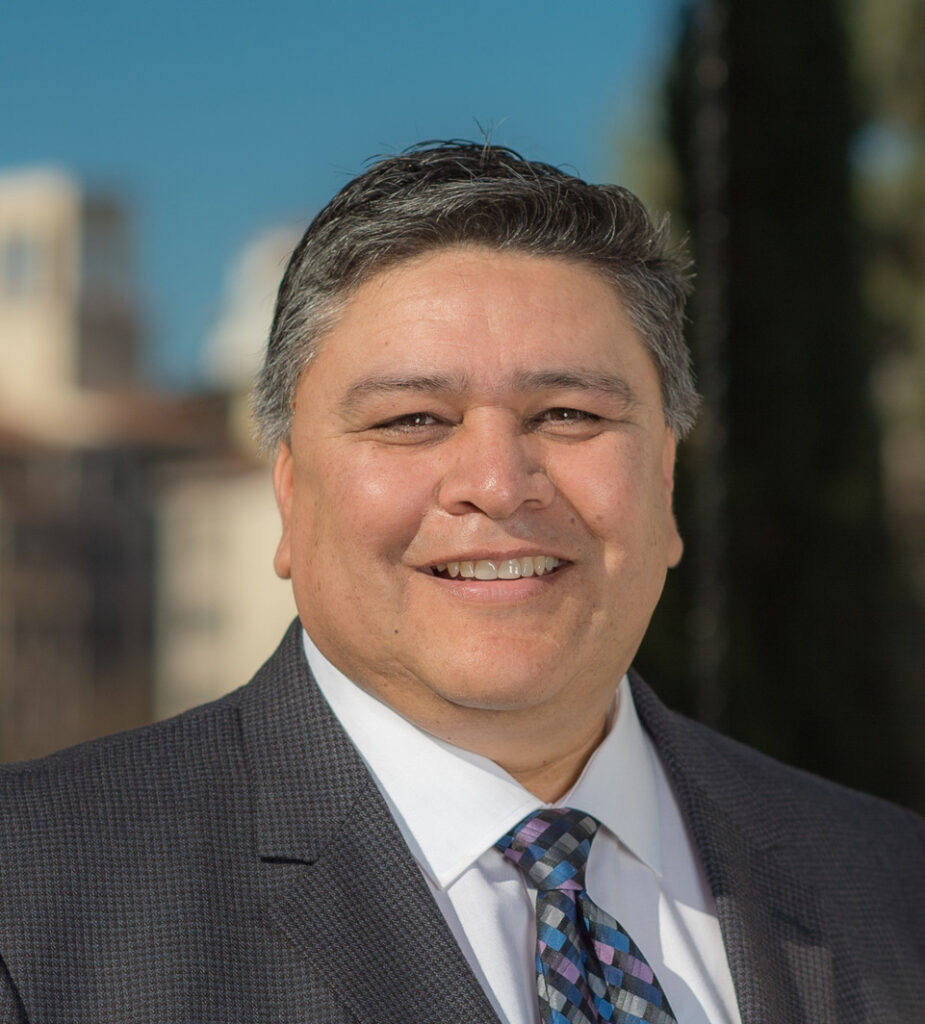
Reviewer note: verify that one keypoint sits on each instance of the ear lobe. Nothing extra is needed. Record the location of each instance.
(282, 488)
(675, 544)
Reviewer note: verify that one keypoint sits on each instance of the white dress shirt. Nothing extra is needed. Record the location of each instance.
(452, 805)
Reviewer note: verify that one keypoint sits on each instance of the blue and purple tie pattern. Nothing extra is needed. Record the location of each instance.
(588, 968)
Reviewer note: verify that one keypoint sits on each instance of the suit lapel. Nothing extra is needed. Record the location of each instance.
(341, 883)
(771, 921)
(364, 915)
(343, 887)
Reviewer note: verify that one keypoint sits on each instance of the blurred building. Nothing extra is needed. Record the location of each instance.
(221, 610)
(68, 319)
(80, 447)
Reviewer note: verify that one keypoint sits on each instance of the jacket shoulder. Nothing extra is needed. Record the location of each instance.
(818, 820)
(112, 789)
(198, 743)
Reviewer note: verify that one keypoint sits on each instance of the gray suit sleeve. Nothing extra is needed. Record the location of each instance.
(11, 1008)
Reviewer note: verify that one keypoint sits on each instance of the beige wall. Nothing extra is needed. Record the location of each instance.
(221, 609)
(40, 239)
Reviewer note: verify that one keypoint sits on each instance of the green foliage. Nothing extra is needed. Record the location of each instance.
(818, 665)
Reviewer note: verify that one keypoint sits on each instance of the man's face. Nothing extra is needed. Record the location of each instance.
(475, 412)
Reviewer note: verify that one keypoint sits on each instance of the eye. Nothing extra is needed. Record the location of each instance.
(568, 423)
(565, 415)
(411, 419)
(409, 423)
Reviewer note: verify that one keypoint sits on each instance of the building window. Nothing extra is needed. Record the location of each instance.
(20, 266)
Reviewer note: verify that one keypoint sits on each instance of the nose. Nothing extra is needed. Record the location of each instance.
(494, 467)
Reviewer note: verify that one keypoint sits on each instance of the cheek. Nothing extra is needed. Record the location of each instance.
(623, 504)
(603, 490)
(353, 510)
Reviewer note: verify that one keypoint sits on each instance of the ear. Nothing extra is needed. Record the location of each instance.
(282, 487)
(675, 546)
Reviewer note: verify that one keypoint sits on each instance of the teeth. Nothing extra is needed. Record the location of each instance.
(508, 569)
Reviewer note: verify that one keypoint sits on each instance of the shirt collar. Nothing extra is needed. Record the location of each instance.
(618, 785)
(452, 805)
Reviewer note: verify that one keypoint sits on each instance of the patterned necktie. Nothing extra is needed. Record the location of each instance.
(588, 968)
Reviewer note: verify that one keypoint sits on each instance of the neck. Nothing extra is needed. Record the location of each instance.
(551, 779)
(542, 739)
(545, 750)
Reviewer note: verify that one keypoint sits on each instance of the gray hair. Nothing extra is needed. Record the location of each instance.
(435, 196)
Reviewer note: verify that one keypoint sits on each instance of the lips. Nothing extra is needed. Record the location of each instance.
(498, 569)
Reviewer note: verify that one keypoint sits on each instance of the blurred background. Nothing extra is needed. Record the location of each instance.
(158, 162)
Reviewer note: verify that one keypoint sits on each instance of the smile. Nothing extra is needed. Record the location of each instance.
(501, 569)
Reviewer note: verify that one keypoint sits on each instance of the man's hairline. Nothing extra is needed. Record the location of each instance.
(334, 305)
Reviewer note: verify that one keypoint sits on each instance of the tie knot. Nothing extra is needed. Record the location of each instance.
(551, 847)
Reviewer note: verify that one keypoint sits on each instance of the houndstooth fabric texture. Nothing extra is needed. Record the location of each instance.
(238, 865)
(588, 968)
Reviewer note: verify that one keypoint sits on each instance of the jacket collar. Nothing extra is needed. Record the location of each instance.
(770, 918)
(340, 882)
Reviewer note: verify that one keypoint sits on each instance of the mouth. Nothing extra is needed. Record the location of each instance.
(498, 569)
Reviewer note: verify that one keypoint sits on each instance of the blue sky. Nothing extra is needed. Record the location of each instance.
(217, 120)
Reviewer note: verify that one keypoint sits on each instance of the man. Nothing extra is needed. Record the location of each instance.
(474, 387)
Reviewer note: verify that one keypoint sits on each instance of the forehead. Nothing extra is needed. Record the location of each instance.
(480, 307)
(463, 272)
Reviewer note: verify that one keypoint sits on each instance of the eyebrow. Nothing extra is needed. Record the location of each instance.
(388, 383)
(609, 384)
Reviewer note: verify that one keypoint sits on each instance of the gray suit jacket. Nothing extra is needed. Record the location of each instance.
(237, 864)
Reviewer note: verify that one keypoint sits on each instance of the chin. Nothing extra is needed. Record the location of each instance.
(501, 673)
(496, 693)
